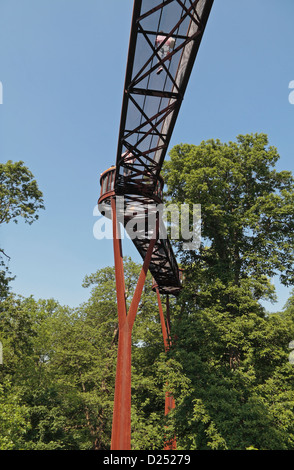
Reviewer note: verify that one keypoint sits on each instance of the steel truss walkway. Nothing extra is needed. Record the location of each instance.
(164, 41)
(151, 103)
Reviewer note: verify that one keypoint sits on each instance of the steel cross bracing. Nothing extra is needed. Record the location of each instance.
(163, 265)
(165, 37)
(151, 103)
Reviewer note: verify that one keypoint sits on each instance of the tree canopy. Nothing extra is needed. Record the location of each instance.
(228, 368)
(238, 354)
(20, 197)
(247, 205)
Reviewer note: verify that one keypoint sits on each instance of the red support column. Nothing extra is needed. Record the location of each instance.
(121, 424)
(165, 326)
(162, 321)
(121, 406)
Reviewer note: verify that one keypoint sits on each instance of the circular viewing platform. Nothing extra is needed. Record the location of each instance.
(141, 187)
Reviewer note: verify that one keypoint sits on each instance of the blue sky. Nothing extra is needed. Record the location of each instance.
(62, 67)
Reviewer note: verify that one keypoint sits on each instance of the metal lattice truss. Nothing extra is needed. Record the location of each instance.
(163, 264)
(134, 213)
(152, 100)
(164, 41)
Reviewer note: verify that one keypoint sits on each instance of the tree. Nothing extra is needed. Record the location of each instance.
(27, 384)
(147, 343)
(234, 356)
(19, 197)
(247, 211)
(19, 193)
(14, 419)
(61, 364)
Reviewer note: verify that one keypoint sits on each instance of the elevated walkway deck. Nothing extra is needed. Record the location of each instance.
(164, 41)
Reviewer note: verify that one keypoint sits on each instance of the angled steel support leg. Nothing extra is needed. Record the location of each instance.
(119, 414)
(165, 327)
(121, 424)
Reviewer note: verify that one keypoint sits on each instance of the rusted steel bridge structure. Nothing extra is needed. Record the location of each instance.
(164, 41)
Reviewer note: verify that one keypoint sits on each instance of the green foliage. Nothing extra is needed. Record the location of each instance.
(228, 366)
(14, 422)
(234, 355)
(20, 197)
(62, 362)
(247, 206)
